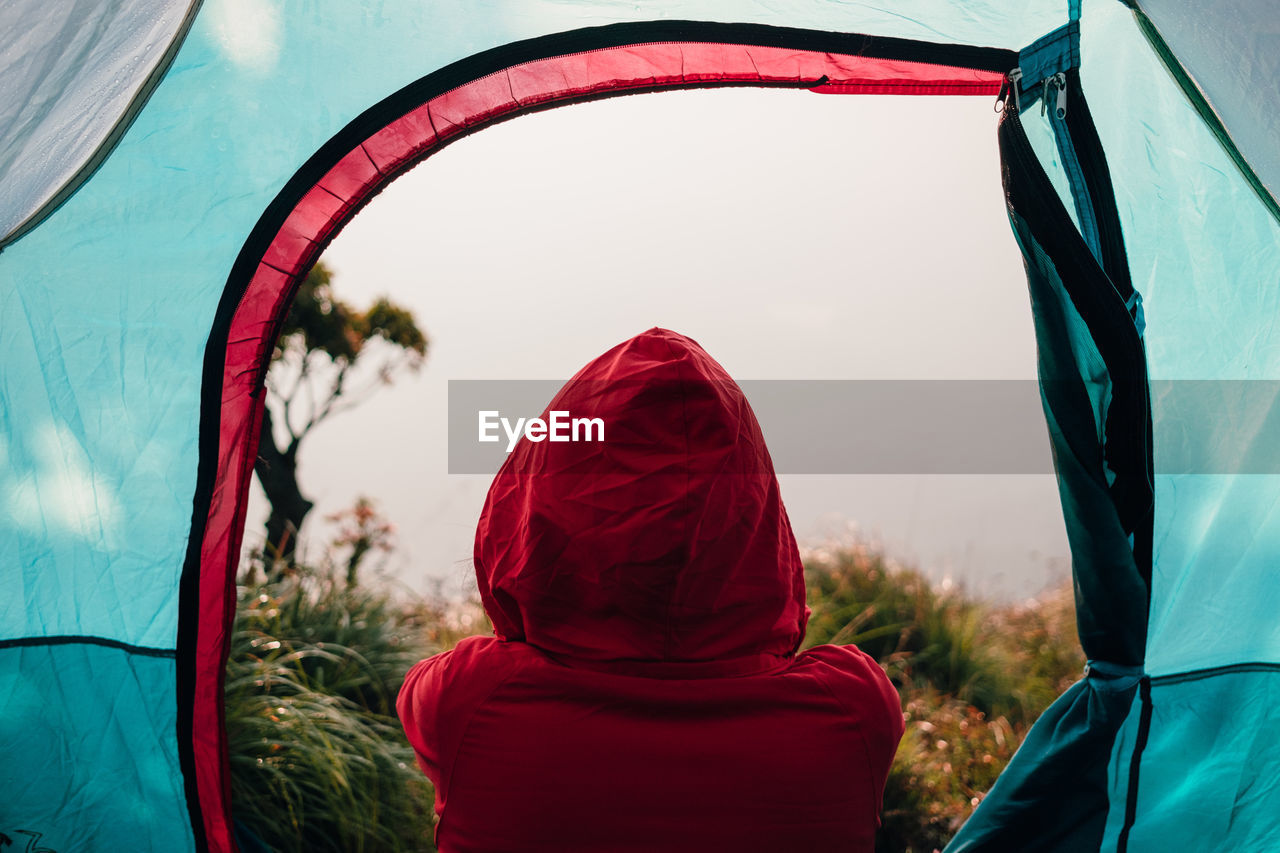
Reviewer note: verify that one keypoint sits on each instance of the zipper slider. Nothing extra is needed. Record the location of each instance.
(1059, 82)
(1010, 84)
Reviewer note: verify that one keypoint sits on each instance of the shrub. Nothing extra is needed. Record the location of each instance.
(949, 756)
(318, 760)
(923, 637)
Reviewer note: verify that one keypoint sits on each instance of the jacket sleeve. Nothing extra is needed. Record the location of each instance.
(418, 706)
(870, 700)
(439, 696)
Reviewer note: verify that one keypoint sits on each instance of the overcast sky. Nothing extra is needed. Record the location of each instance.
(793, 235)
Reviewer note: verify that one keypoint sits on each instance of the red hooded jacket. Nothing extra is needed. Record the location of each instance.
(643, 690)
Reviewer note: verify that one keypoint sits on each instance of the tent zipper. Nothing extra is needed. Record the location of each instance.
(1058, 82)
(1085, 166)
(1097, 178)
(1105, 309)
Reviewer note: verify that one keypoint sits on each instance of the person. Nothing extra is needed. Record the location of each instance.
(643, 689)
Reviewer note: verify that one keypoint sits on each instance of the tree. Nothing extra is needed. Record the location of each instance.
(329, 358)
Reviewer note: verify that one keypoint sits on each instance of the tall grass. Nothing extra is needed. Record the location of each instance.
(318, 759)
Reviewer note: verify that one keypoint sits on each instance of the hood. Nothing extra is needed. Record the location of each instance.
(666, 542)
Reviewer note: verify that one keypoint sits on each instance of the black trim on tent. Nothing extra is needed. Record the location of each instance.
(1124, 448)
(1101, 305)
(561, 44)
(1214, 671)
(1144, 727)
(380, 115)
(1097, 178)
(1135, 767)
(189, 591)
(1133, 447)
(85, 640)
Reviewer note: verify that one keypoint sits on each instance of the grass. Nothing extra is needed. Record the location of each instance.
(319, 761)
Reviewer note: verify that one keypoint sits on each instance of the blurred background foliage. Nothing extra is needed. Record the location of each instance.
(319, 761)
(973, 676)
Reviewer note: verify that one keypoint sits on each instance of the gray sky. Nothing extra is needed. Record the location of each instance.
(793, 235)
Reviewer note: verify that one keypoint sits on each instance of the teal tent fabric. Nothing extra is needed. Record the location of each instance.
(85, 771)
(1056, 793)
(125, 228)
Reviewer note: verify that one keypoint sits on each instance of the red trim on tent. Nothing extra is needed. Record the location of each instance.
(364, 171)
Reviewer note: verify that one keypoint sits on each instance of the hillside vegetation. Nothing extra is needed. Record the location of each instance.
(319, 762)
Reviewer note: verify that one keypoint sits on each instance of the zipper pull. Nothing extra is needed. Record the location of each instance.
(1059, 82)
(1010, 85)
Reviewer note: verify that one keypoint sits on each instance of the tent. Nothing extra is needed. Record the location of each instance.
(168, 171)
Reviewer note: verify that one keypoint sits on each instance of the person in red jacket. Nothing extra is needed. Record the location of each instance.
(642, 690)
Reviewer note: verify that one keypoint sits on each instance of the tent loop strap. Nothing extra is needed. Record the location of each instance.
(1113, 676)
